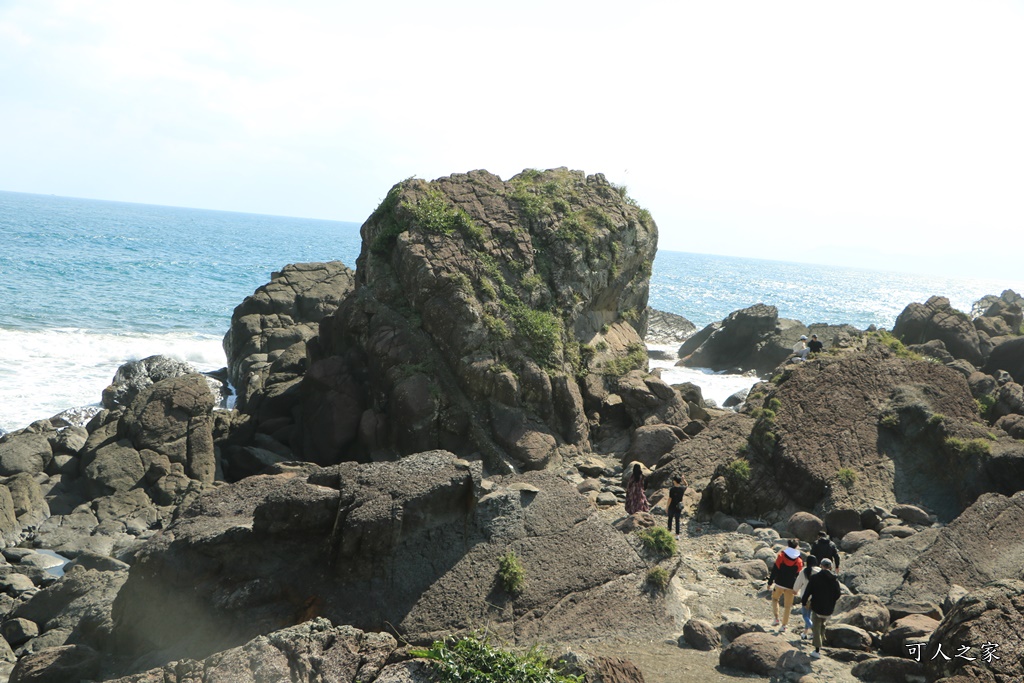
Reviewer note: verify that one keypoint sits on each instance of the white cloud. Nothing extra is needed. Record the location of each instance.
(796, 129)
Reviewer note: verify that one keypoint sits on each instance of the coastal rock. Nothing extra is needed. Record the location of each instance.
(471, 294)
(864, 429)
(700, 635)
(991, 615)
(1008, 356)
(134, 376)
(936, 319)
(667, 328)
(57, 665)
(266, 343)
(805, 526)
(301, 654)
(753, 338)
(889, 669)
(173, 418)
(911, 628)
(24, 451)
(271, 548)
(758, 653)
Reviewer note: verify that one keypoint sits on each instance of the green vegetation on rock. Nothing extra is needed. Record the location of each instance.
(511, 573)
(847, 477)
(658, 578)
(472, 659)
(738, 470)
(635, 359)
(968, 447)
(658, 540)
(894, 345)
(889, 420)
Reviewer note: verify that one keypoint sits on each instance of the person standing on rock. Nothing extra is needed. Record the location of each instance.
(636, 499)
(675, 500)
(824, 547)
(784, 574)
(821, 595)
(800, 587)
(815, 346)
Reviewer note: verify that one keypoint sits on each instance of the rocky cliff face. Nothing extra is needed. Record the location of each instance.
(478, 306)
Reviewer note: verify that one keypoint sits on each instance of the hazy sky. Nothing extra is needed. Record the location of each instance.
(886, 134)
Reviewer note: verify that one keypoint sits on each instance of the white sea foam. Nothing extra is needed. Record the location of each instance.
(43, 372)
(713, 385)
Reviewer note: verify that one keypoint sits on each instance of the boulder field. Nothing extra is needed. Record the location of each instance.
(440, 442)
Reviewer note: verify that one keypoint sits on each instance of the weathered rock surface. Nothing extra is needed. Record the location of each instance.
(1008, 356)
(404, 543)
(759, 653)
(899, 429)
(313, 652)
(472, 299)
(936, 319)
(667, 328)
(993, 615)
(266, 343)
(134, 376)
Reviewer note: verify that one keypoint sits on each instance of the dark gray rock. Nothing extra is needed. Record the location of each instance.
(912, 628)
(134, 376)
(912, 514)
(805, 526)
(936, 319)
(57, 665)
(700, 635)
(855, 539)
(667, 328)
(993, 614)
(863, 611)
(17, 631)
(895, 669)
(78, 603)
(1008, 356)
(847, 637)
(752, 570)
(757, 653)
(731, 630)
(24, 451)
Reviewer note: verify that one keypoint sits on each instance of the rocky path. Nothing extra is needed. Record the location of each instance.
(714, 598)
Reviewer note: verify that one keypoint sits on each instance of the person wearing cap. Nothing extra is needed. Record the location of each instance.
(784, 572)
(800, 349)
(815, 346)
(822, 593)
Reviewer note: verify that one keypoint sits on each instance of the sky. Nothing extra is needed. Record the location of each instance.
(876, 134)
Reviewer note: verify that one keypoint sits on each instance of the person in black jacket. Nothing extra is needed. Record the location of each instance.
(822, 594)
(824, 547)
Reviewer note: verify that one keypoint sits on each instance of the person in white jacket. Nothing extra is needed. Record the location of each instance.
(800, 349)
(800, 585)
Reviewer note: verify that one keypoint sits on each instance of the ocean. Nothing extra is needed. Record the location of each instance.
(88, 285)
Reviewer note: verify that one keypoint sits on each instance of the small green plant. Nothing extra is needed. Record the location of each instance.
(774, 405)
(984, 405)
(847, 477)
(601, 345)
(738, 470)
(658, 578)
(635, 358)
(659, 540)
(472, 659)
(896, 346)
(968, 447)
(511, 573)
(889, 420)
(936, 419)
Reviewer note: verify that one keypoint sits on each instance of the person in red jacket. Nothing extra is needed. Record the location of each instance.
(784, 572)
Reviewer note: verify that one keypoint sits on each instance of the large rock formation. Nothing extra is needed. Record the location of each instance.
(412, 545)
(753, 338)
(477, 306)
(936, 319)
(266, 344)
(864, 429)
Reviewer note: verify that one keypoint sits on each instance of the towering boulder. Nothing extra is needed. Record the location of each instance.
(477, 306)
(753, 338)
(1008, 356)
(937, 320)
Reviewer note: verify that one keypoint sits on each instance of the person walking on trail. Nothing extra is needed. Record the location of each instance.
(636, 499)
(824, 547)
(784, 574)
(800, 587)
(675, 500)
(821, 595)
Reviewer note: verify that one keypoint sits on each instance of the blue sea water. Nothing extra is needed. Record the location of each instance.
(87, 285)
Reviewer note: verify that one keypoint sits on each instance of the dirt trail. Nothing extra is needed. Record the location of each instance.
(715, 599)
